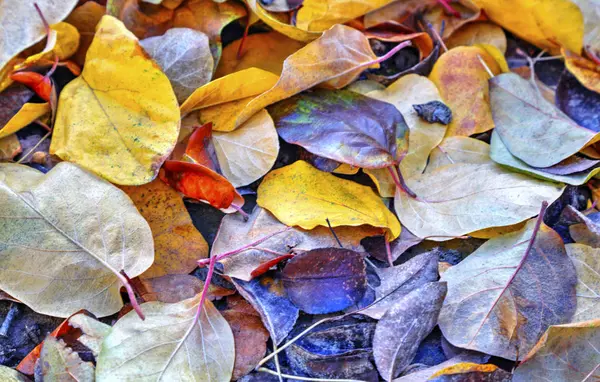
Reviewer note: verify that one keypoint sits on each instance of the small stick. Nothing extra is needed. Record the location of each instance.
(487, 68)
(437, 36)
(333, 233)
(388, 250)
(298, 378)
(34, 147)
(10, 316)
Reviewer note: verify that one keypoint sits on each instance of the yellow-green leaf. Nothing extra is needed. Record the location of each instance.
(120, 118)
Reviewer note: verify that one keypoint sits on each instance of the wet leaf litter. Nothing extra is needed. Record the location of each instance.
(299, 190)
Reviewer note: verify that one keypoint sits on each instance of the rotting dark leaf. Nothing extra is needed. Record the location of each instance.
(267, 295)
(578, 102)
(434, 111)
(402, 328)
(325, 280)
(398, 281)
(422, 68)
(341, 125)
(375, 245)
(337, 349)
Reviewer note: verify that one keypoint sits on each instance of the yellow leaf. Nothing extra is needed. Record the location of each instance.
(462, 81)
(300, 195)
(549, 24)
(63, 42)
(586, 71)
(283, 28)
(177, 243)
(346, 169)
(208, 16)
(480, 32)
(319, 15)
(9, 147)
(249, 152)
(407, 91)
(438, 16)
(21, 26)
(228, 89)
(120, 118)
(490, 233)
(28, 113)
(383, 181)
(5, 80)
(494, 52)
(336, 59)
(265, 51)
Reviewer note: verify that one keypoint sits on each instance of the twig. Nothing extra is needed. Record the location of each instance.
(388, 251)
(10, 316)
(487, 68)
(269, 371)
(333, 233)
(437, 36)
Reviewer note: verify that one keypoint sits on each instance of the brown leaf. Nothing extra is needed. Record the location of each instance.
(250, 341)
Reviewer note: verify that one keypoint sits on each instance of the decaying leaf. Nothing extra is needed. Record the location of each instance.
(502, 297)
(58, 360)
(184, 56)
(83, 231)
(121, 104)
(481, 32)
(425, 374)
(177, 243)
(586, 71)
(463, 84)
(169, 345)
(591, 17)
(398, 281)
(325, 280)
(319, 15)
(10, 375)
(85, 18)
(468, 370)
(22, 25)
(300, 195)
(93, 332)
(171, 288)
(249, 152)
(290, 31)
(403, 326)
(320, 120)
(587, 265)
(564, 353)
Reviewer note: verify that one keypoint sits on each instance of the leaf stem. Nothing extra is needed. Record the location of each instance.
(487, 68)
(448, 7)
(388, 251)
(437, 37)
(400, 183)
(391, 53)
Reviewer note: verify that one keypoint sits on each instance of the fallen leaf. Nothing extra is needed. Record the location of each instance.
(250, 341)
(502, 297)
(265, 51)
(425, 374)
(325, 280)
(338, 349)
(171, 288)
(62, 45)
(579, 103)
(235, 232)
(300, 195)
(248, 153)
(143, 20)
(93, 332)
(27, 114)
(288, 30)
(318, 15)
(532, 129)
(85, 18)
(500, 154)
(227, 90)
(403, 326)
(546, 24)
(23, 27)
(585, 260)
(177, 243)
(267, 295)
(9, 375)
(586, 71)
(410, 90)
(448, 22)
(463, 84)
(282, 5)
(323, 61)
(125, 106)
(57, 361)
(398, 281)
(184, 56)
(9, 147)
(480, 32)
(487, 372)
(96, 226)
(453, 150)
(320, 120)
(170, 343)
(564, 353)
(591, 17)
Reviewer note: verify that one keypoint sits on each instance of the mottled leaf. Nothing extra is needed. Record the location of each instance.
(325, 280)
(341, 125)
(502, 297)
(479, 32)
(402, 328)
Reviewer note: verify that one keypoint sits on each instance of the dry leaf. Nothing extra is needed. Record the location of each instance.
(168, 345)
(171, 288)
(591, 16)
(93, 331)
(143, 20)
(63, 42)
(463, 84)
(27, 114)
(85, 18)
(283, 28)
(549, 24)
(122, 105)
(9, 147)
(249, 152)
(300, 195)
(83, 232)
(184, 56)
(586, 71)
(60, 363)
(208, 17)
(565, 353)
(587, 267)
(22, 25)
(177, 243)
(503, 296)
(481, 32)
(320, 15)
(10, 375)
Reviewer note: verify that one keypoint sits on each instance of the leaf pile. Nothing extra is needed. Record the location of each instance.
(375, 190)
